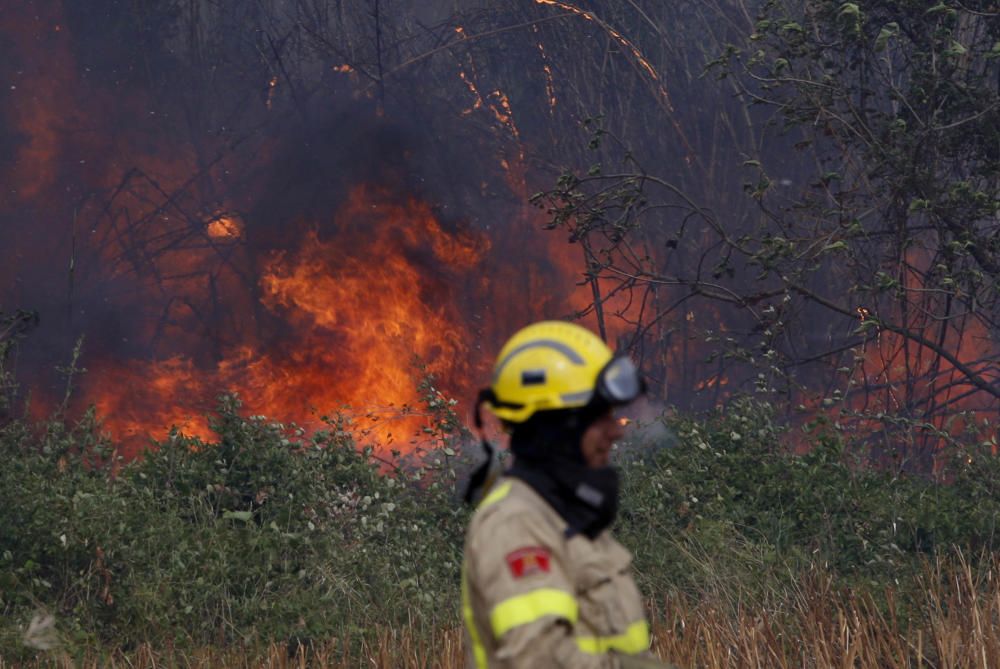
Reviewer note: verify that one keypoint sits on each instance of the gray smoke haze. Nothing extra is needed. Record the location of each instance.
(127, 131)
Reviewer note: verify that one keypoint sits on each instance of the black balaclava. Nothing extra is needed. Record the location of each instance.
(547, 457)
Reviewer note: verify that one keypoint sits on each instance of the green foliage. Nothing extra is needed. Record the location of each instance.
(267, 533)
(734, 498)
(900, 100)
(871, 192)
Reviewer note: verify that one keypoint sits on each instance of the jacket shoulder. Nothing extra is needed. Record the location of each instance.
(513, 505)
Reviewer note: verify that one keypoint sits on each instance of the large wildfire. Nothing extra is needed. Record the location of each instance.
(363, 315)
(320, 236)
(189, 275)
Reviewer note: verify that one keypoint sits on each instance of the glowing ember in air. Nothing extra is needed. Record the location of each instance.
(550, 88)
(225, 227)
(271, 85)
(503, 112)
(712, 382)
(478, 102)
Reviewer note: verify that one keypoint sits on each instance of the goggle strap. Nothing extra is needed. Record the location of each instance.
(485, 395)
(479, 481)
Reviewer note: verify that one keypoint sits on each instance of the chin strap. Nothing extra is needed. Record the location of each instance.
(486, 474)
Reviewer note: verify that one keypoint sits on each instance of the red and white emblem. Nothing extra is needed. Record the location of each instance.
(528, 560)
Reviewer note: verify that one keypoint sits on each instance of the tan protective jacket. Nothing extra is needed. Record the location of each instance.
(533, 598)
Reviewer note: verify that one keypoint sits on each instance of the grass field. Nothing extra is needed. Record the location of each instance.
(955, 624)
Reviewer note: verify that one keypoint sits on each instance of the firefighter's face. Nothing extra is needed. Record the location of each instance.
(599, 438)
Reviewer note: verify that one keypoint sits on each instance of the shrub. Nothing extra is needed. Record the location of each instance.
(731, 499)
(266, 533)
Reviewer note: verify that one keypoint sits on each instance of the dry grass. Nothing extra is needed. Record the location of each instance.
(954, 625)
(390, 649)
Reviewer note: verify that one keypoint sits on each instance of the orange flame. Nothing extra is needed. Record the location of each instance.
(361, 307)
(892, 372)
(712, 382)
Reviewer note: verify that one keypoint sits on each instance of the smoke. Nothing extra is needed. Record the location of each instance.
(213, 225)
(646, 432)
(298, 204)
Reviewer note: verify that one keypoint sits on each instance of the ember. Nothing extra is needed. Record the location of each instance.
(225, 227)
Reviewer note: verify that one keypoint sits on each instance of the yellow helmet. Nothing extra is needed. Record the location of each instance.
(557, 365)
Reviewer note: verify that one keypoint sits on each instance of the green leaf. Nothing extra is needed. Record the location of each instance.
(955, 49)
(850, 9)
(889, 31)
(244, 516)
(939, 8)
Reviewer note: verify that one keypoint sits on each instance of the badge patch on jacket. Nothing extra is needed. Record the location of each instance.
(527, 561)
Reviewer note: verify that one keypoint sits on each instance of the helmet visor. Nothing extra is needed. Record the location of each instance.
(619, 381)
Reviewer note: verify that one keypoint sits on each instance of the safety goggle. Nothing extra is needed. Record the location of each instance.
(619, 381)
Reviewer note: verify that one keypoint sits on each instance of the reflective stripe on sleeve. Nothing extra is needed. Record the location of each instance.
(634, 640)
(495, 495)
(532, 606)
(478, 650)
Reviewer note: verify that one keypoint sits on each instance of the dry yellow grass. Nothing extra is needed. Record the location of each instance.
(391, 649)
(956, 626)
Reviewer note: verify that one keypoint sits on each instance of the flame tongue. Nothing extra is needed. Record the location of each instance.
(368, 304)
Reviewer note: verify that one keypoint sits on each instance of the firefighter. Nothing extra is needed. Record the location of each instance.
(544, 584)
